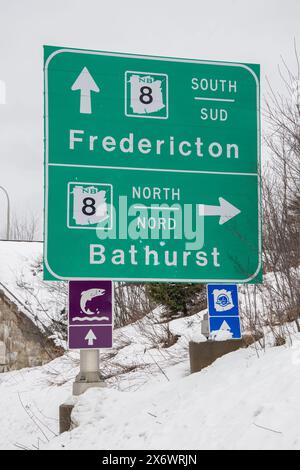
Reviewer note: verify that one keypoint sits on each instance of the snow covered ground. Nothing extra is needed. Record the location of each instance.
(21, 281)
(240, 402)
(247, 399)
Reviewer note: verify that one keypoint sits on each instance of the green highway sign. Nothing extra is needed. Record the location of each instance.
(151, 168)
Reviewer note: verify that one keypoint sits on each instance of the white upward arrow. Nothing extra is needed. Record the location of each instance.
(225, 210)
(225, 326)
(86, 84)
(90, 338)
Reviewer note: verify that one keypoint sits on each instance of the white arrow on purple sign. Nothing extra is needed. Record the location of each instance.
(90, 338)
(90, 314)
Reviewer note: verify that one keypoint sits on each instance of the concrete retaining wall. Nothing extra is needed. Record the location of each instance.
(204, 354)
(22, 344)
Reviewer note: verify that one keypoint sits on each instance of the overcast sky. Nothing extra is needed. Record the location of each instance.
(257, 31)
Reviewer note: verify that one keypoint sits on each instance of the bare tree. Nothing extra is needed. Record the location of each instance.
(131, 302)
(24, 228)
(281, 209)
(48, 310)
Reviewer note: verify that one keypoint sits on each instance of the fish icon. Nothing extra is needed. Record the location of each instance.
(88, 295)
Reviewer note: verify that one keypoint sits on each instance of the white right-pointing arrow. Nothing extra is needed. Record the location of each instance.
(86, 84)
(225, 210)
(90, 338)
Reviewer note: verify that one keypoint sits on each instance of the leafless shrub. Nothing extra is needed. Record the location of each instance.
(252, 319)
(279, 297)
(281, 197)
(131, 303)
(118, 369)
(279, 340)
(57, 377)
(48, 311)
(24, 228)
(44, 431)
(155, 333)
(274, 305)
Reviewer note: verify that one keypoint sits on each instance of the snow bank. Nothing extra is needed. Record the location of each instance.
(17, 257)
(245, 400)
(21, 281)
(221, 335)
(29, 403)
(241, 402)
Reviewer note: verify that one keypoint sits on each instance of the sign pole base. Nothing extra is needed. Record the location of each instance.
(89, 375)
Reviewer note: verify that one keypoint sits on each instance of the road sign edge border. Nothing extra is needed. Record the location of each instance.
(151, 57)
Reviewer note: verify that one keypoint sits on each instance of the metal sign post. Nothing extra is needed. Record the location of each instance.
(89, 375)
(8, 212)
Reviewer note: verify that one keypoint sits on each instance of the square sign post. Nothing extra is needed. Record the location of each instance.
(151, 168)
(223, 309)
(90, 314)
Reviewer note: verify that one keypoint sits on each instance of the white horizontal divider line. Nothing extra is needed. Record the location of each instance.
(88, 325)
(167, 170)
(228, 100)
(157, 207)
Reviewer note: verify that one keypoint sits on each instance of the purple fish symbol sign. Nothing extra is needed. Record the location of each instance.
(90, 314)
